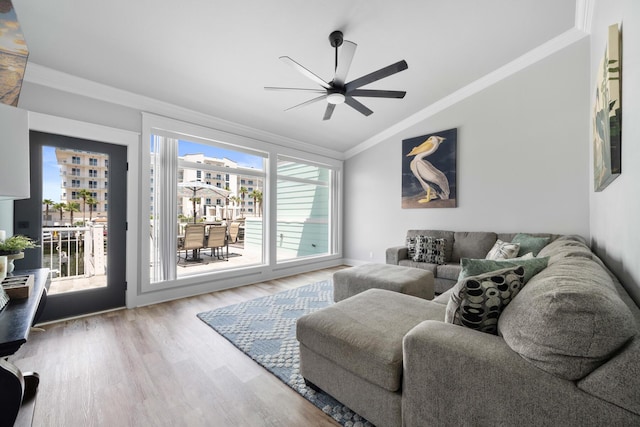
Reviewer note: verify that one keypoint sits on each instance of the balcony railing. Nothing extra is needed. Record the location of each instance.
(72, 252)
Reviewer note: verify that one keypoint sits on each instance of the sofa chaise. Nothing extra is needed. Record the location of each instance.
(566, 353)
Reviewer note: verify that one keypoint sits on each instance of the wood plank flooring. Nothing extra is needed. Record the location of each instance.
(161, 366)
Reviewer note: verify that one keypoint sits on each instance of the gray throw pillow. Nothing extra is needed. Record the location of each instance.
(530, 243)
(477, 301)
(474, 267)
(429, 249)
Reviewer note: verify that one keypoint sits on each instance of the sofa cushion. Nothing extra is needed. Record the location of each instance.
(618, 380)
(566, 246)
(568, 320)
(503, 250)
(472, 244)
(477, 301)
(529, 243)
(474, 267)
(449, 271)
(438, 234)
(421, 265)
(429, 249)
(363, 334)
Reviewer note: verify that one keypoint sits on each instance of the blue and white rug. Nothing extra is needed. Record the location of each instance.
(265, 330)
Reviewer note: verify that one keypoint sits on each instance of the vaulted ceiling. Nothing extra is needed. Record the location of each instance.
(215, 57)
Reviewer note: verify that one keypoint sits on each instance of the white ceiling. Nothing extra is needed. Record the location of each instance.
(215, 57)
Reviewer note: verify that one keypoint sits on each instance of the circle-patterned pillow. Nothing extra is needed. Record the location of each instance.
(477, 301)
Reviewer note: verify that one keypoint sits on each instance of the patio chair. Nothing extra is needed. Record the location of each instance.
(193, 241)
(236, 231)
(217, 240)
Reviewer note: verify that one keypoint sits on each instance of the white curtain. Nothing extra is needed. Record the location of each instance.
(164, 161)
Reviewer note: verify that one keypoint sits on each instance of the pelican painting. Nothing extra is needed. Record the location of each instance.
(432, 180)
(429, 170)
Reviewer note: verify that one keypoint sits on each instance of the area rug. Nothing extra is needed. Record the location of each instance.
(265, 330)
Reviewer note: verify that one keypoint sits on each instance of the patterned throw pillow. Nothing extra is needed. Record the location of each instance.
(411, 247)
(503, 250)
(429, 249)
(477, 301)
(530, 243)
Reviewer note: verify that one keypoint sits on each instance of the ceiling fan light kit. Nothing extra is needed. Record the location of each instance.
(337, 91)
(335, 98)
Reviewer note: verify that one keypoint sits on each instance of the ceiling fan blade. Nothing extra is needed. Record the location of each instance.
(370, 93)
(357, 105)
(288, 89)
(377, 75)
(347, 51)
(305, 72)
(311, 101)
(329, 111)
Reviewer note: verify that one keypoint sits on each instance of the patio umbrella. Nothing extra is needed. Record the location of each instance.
(195, 189)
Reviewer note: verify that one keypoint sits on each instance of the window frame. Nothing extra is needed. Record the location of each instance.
(153, 124)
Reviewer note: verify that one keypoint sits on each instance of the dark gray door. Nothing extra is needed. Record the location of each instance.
(78, 216)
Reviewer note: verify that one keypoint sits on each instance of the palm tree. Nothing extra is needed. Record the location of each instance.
(255, 194)
(47, 203)
(60, 207)
(235, 200)
(243, 192)
(73, 207)
(84, 195)
(258, 199)
(91, 202)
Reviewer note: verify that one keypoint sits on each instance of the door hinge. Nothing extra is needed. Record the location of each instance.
(127, 166)
(126, 226)
(126, 286)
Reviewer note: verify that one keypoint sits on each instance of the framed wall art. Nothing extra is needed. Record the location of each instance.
(607, 115)
(429, 170)
(13, 55)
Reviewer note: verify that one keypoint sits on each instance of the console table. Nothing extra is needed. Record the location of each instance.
(16, 320)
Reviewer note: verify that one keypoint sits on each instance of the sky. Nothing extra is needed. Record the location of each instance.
(51, 172)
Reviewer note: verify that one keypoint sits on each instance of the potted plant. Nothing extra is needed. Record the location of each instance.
(13, 248)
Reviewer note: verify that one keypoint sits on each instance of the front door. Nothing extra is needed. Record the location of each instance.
(77, 213)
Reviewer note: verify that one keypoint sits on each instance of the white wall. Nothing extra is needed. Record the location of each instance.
(615, 212)
(523, 162)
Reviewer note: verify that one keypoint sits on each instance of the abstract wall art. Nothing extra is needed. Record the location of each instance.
(607, 115)
(429, 170)
(13, 55)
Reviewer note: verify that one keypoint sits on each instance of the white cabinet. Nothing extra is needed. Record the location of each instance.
(14, 153)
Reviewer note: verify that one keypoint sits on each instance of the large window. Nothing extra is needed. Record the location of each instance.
(279, 207)
(182, 202)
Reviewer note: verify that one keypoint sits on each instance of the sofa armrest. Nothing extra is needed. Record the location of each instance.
(395, 254)
(457, 376)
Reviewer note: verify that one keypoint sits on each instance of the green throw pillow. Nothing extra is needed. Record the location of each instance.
(474, 267)
(477, 301)
(530, 243)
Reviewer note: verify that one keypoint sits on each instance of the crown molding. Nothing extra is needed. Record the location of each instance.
(552, 46)
(48, 77)
(584, 15)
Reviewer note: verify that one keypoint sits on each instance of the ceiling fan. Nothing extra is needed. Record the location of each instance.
(338, 91)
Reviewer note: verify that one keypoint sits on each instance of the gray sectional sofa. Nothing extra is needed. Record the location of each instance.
(566, 353)
(458, 244)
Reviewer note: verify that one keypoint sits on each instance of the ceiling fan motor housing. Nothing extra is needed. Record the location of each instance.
(336, 38)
